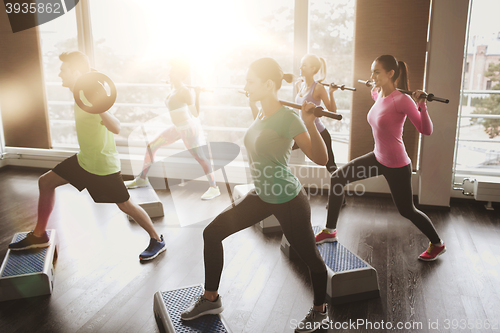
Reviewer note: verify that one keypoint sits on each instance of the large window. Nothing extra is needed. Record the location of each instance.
(478, 139)
(220, 38)
(56, 37)
(133, 41)
(331, 36)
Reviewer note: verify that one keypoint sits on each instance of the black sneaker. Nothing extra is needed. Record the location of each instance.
(31, 242)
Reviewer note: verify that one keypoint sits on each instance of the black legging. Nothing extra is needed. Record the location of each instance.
(294, 217)
(330, 165)
(399, 180)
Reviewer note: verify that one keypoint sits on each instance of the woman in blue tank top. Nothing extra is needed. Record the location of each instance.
(309, 90)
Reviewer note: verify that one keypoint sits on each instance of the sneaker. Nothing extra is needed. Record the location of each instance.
(432, 252)
(154, 249)
(325, 236)
(202, 306)
(313, 321)
(211, 193)
(31, 242)
(137, 182)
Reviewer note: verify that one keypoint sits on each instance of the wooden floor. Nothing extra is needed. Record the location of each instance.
(100, 285)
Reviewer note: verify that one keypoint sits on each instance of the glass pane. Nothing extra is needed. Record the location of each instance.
(478, 144)
(134, 50)
(331, 37)
(56, 37)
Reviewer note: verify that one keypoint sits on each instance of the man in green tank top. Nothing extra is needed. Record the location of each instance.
(95, 167)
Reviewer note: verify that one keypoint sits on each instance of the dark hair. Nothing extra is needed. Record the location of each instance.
(76, 60)
(400, 77)
(269, 69)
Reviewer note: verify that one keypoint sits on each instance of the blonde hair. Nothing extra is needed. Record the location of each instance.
(317, 62)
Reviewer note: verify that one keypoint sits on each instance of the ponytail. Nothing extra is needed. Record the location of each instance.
(402, 81)
(322, 70)
(288, 77)
(318, 63)
(269, 69)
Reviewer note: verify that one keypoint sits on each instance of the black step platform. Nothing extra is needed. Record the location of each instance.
(28, 273)
(350, 278)
(168, 306)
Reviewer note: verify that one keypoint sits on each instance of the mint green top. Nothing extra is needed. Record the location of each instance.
(97, 153)
(269, 144)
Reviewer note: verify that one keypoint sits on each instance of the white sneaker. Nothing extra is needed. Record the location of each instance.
(211, 193)
(313, 321)
(137, 182)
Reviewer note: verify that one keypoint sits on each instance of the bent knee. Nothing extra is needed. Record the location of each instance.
(339, 176)
(46, 181)
(214, 233)
(126, 206)
(409, 213)
(42, 181)
(209, 234)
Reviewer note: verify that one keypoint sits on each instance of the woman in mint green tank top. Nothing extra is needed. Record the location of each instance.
(278, 192)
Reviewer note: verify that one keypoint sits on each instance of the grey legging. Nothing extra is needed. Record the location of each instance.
(399, 180)
(294, 217)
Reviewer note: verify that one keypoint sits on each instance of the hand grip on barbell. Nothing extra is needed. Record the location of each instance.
(341, 87)
(318, 111)
(429, 97)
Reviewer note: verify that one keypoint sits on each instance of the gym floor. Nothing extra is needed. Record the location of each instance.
(100, 285)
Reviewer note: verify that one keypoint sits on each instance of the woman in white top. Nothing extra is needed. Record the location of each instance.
(186, 126)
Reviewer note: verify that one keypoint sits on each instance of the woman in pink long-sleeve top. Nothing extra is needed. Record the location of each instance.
(389, 157)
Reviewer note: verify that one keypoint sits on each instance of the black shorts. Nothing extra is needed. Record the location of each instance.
(103, 189)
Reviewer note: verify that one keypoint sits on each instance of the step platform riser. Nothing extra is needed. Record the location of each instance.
(269, 224)
(350, 278)
(147, 198)
(168, 306)
(28, 273)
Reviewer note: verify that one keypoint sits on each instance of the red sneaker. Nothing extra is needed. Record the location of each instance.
(432, 252)
(326, 236)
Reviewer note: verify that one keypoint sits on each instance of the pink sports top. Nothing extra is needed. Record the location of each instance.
(387, 117)
(309, 97)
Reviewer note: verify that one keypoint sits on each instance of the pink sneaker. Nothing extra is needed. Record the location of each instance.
(325, 236)
(432, 252)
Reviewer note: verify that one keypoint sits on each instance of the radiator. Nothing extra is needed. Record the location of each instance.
(483, 189)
